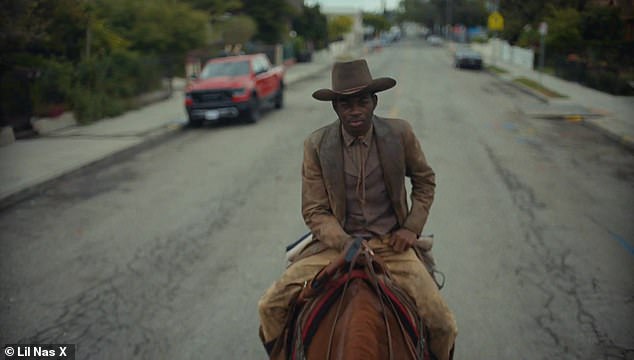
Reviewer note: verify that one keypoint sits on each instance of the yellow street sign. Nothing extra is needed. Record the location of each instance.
(496, 22)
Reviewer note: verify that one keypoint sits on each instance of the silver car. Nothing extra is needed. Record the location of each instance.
(434, 40)
(466, 57)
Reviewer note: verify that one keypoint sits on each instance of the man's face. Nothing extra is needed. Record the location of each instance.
(355, 112)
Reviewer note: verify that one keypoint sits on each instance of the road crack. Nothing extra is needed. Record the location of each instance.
(549, 272)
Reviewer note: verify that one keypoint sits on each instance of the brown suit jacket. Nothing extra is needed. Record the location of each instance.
(323, 184)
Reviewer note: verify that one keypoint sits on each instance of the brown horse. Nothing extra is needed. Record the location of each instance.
(351, 310)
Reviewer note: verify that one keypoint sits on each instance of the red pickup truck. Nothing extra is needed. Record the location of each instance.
(234, 87)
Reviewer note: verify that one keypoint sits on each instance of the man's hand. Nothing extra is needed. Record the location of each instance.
(402, 239)
(363, 247)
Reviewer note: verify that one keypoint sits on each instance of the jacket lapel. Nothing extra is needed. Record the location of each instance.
(392, 159)
(332, 168)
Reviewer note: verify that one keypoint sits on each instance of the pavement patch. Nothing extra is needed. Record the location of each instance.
(566, 111)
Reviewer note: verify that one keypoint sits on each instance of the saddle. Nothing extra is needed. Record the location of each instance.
(423, 246)
(326, 290)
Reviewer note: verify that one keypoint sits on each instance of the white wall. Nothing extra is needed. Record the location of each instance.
(500, 51)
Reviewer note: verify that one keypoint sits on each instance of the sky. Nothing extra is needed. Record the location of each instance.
(365, 5)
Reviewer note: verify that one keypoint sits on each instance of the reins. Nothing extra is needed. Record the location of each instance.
(377, 288)
(351, 265)
(373, 279)
(344, 266)
(375, 282)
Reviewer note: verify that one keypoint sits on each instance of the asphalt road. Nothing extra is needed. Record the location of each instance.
(165, 254)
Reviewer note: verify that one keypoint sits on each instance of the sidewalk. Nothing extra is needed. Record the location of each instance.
(609, 114)
(30, 165)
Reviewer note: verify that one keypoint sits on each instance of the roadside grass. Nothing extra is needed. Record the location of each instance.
(548, 70)
(496, 69)
(538, 87)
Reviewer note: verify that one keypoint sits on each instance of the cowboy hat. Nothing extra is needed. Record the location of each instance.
(350, 78)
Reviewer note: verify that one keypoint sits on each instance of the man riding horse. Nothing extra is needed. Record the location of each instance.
(353, 186)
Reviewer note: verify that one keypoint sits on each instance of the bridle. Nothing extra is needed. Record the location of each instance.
(370, 263)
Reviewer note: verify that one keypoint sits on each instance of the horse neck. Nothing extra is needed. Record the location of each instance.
(360, 332)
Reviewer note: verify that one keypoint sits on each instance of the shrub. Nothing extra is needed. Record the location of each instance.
(480, 39)
(89, 106)
(103, 86)
(50, 92)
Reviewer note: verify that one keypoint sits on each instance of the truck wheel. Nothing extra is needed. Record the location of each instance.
(253, 114)
(279, 97)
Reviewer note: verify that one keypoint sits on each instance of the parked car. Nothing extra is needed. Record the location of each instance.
(234, 87)
(435, 40)
(466, 57)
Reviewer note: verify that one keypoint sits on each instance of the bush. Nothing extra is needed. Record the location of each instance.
(103, 86)
(299, 45)
(609, 82)
(480, 39)
(89, 106)
(529, 38)
(50, 93)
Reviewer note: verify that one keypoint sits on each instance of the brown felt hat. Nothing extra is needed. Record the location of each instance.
(350, 78)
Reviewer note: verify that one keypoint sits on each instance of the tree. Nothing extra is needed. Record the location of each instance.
(602, 23)
(339, 26)
(237, 29)
(312, 25)
(156, 26)
(469, 13)
(216, 8)
(434, 12)
(529, 37)
(38, 41)
(272, 16)
(519, 13)
(22, 23)
(42, 27)
(426, 13)
(378, 22)
(564, 30)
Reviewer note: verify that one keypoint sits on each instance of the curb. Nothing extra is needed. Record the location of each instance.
(151, 139)
(309, 75)
(523, 88)
(536, 94)
(625, 141)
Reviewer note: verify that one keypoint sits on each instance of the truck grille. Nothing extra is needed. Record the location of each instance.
(211, 96)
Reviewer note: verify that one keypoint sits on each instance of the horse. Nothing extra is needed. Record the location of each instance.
(351, 310)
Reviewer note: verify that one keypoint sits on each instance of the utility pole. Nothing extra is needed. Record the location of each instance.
(543, 31)
(88, 41)
(448, 19)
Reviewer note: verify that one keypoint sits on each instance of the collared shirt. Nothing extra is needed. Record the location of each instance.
(369, 210)
(358, 148)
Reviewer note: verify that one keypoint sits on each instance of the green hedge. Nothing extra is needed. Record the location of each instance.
(51, 89)
(102, 86)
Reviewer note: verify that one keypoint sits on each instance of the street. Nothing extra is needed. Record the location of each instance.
(165, 254)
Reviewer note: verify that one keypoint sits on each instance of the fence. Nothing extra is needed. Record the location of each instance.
(497, 50)
(602, 76)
